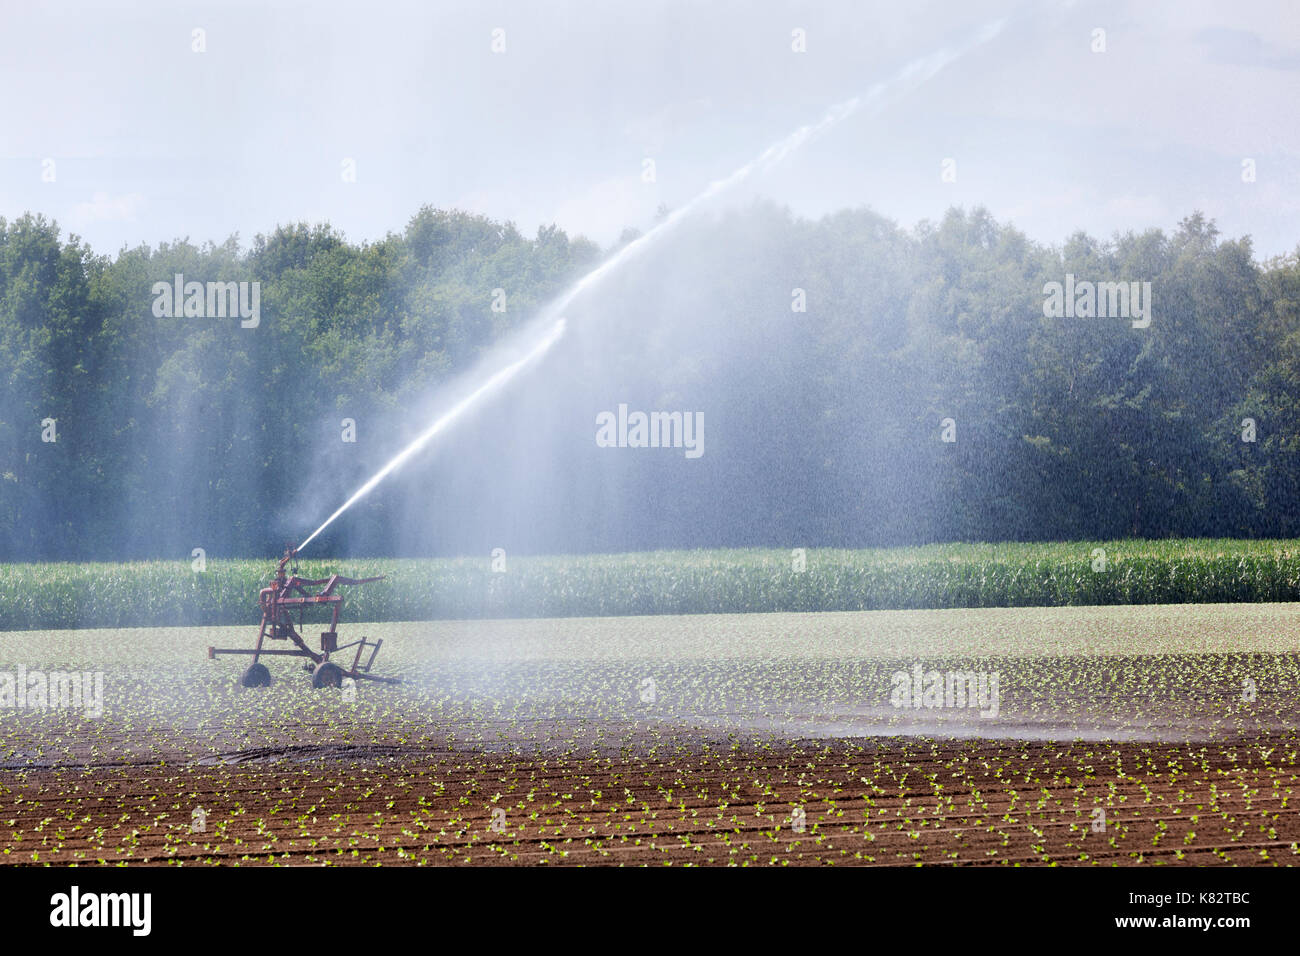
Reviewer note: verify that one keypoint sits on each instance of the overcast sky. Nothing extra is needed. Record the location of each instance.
(151, 141)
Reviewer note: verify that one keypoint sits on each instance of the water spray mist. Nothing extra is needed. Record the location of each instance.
(551, 322)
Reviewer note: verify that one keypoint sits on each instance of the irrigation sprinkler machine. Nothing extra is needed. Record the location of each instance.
(289, 593)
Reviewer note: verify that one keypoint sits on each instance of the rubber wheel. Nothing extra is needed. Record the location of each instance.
(256, 676)
(327, 674)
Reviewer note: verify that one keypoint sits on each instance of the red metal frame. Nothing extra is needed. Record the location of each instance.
(287, 592)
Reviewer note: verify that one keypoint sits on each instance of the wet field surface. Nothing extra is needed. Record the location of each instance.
(872, 737)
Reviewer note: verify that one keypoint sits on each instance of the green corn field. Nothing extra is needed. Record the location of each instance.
(171, 593)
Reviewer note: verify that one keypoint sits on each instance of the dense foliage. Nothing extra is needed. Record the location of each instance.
(824, 426)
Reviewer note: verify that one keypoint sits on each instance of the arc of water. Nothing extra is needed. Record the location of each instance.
(917, 72)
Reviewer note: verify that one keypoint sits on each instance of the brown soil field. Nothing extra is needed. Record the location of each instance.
(501, 748)
(884, 802)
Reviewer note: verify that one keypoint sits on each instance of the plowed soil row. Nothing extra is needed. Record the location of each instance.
(843, 802)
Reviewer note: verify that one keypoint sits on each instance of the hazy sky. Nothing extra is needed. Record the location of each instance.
(151, 141)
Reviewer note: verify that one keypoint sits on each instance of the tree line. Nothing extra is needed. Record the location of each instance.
(856, 382)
